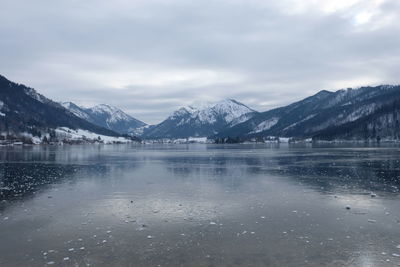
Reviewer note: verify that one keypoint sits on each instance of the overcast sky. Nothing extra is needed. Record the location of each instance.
(151, 57)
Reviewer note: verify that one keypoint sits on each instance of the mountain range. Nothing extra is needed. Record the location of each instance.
(202, 121)
(106, 116)
(22, 109)
(363, 113)
(366, 113)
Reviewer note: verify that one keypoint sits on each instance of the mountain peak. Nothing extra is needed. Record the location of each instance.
(231, 109)
(233, 104)
(107, 116)
(201, 120)
(229, 101)
(30, 112)
(106, 108)
(210, 104)
(69, 105)
(207, 111)
(75, 109)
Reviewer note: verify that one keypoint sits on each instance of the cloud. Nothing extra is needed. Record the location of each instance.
(151, 57)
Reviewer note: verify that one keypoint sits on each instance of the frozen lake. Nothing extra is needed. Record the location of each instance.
(200, 205)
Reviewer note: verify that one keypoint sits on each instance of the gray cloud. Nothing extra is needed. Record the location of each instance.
(150, 57)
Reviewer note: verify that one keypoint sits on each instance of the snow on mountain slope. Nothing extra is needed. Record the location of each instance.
(325, 114)
(200, 121)
(76, 110)
(65, 133)
(241, 119)
(266, 125)
(25, 110)
(228, 109)
(114, 115)
(32, 93)
(231, 109)
(107, 116)
(209, 113)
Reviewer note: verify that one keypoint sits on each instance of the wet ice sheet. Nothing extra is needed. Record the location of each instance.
(199, 205)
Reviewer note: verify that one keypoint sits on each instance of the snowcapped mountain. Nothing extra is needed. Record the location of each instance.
(202, 121)
(23, 110)
(346, 114)
(76, 110)
(369, 113)
(106, 116)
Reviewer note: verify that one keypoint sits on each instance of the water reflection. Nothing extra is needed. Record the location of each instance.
(325, 169)
(199, 205)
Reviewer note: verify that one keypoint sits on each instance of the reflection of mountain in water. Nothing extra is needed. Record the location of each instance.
(27, 171)
(233, 171)
(326, 170)
(346, 174)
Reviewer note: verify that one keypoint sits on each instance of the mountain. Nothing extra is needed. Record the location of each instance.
(22, 109)
(382, 124)
(366, 112)
(200, 121)
(369, 113)
(106, 116)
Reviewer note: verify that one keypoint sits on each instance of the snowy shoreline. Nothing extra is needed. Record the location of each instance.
(67, 136)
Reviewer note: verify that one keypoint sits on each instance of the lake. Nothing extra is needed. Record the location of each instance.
(200, 205)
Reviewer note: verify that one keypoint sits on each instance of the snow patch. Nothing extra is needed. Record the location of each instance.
(70, 134)
(115, 114)
(241, 119)
(361, 112)
(303, 120)
(265, 125)
(35, 95)
(76, 110)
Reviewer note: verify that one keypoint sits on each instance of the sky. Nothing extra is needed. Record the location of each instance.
(151, 57)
